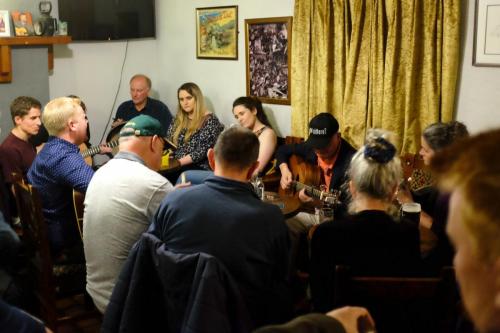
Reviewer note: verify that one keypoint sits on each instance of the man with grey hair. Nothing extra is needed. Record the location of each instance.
(120, 203)
(141, 103)
(58, 169)
(224, 218)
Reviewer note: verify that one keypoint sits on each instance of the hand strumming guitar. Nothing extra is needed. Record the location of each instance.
(286, 176)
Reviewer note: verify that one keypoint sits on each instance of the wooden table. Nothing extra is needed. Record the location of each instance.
(289, 205)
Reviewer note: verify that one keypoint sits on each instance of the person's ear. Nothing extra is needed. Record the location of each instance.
(252, 169)
(152, 144)
(211, 158)
(71, 124)
(352, 189)
(17, 120)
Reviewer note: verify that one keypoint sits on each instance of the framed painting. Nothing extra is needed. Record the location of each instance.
(217, 32)
(4, 23)
(267, 45)
(23, 23)
(487, 33)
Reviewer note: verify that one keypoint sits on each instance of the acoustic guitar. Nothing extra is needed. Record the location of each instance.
(304, 173)
(87, 152)
(78, 199)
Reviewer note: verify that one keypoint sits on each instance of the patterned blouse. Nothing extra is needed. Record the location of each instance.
(200, 141)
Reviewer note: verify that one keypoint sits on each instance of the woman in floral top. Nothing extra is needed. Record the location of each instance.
(193, 131)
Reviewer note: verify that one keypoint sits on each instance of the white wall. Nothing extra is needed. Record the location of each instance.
(478, 102)
(93, 70)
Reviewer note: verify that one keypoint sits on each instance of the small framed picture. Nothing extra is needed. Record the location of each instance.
(217, 32)
(268, 42)
(487, 33)
(23, 23)
(4, 23)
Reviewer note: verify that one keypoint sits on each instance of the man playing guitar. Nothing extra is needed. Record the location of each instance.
(324, 148)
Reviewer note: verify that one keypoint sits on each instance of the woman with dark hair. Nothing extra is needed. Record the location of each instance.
(440, 135)
(249, 113)
(194, 130)
(369, 239)
(434, 214)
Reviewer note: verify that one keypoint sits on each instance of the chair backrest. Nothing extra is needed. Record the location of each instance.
(35, 238)
(293, 139)
(422, 304)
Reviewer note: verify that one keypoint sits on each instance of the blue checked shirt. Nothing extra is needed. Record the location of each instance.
(56, 171)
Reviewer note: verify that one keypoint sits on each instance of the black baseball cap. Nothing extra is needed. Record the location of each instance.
(321, 129)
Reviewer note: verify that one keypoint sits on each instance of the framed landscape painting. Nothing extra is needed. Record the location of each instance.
(217, 32)
(268, 42)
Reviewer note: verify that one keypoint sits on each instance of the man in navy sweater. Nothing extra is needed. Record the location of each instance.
(224, 218)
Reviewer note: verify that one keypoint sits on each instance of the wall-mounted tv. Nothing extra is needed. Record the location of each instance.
(108, 19)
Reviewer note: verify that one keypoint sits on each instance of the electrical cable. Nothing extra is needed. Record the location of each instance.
(116, 94)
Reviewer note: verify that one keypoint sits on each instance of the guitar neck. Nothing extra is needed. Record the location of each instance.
(310, 190)
(94, 150)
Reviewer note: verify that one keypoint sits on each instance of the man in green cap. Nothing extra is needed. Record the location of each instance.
(121, 200)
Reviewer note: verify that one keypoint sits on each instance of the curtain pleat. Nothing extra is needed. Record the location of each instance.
(390, 64)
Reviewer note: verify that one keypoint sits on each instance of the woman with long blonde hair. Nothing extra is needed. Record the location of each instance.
(194, 130)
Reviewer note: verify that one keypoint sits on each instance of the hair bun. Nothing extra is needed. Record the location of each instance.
(379, 150)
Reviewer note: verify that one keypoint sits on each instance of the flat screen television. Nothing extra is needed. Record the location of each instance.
(108, 19)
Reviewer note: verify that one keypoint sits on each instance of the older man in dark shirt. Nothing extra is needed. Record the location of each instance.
(141, 103)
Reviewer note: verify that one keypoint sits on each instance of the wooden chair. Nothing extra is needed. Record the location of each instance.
(57, 284)
(402, 304)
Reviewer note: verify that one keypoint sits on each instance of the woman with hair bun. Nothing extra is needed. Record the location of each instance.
(369, 240)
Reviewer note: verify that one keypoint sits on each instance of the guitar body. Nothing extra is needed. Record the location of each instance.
(83, 148)
(302, 172)
(78, 199)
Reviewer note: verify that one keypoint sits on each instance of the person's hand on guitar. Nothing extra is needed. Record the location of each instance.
(304, 197)
(117, 122)
(105, 149)
(286, 176)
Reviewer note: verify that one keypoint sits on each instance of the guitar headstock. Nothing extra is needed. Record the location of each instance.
(332, 198)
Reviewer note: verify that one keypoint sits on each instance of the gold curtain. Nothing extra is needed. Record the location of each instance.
(390, 64)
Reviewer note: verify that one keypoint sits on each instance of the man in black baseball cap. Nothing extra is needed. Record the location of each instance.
(321, 130)
(324, 148)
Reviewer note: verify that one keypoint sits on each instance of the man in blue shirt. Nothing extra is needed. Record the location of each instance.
(141, 103)
(224, 218)
(58, 169)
